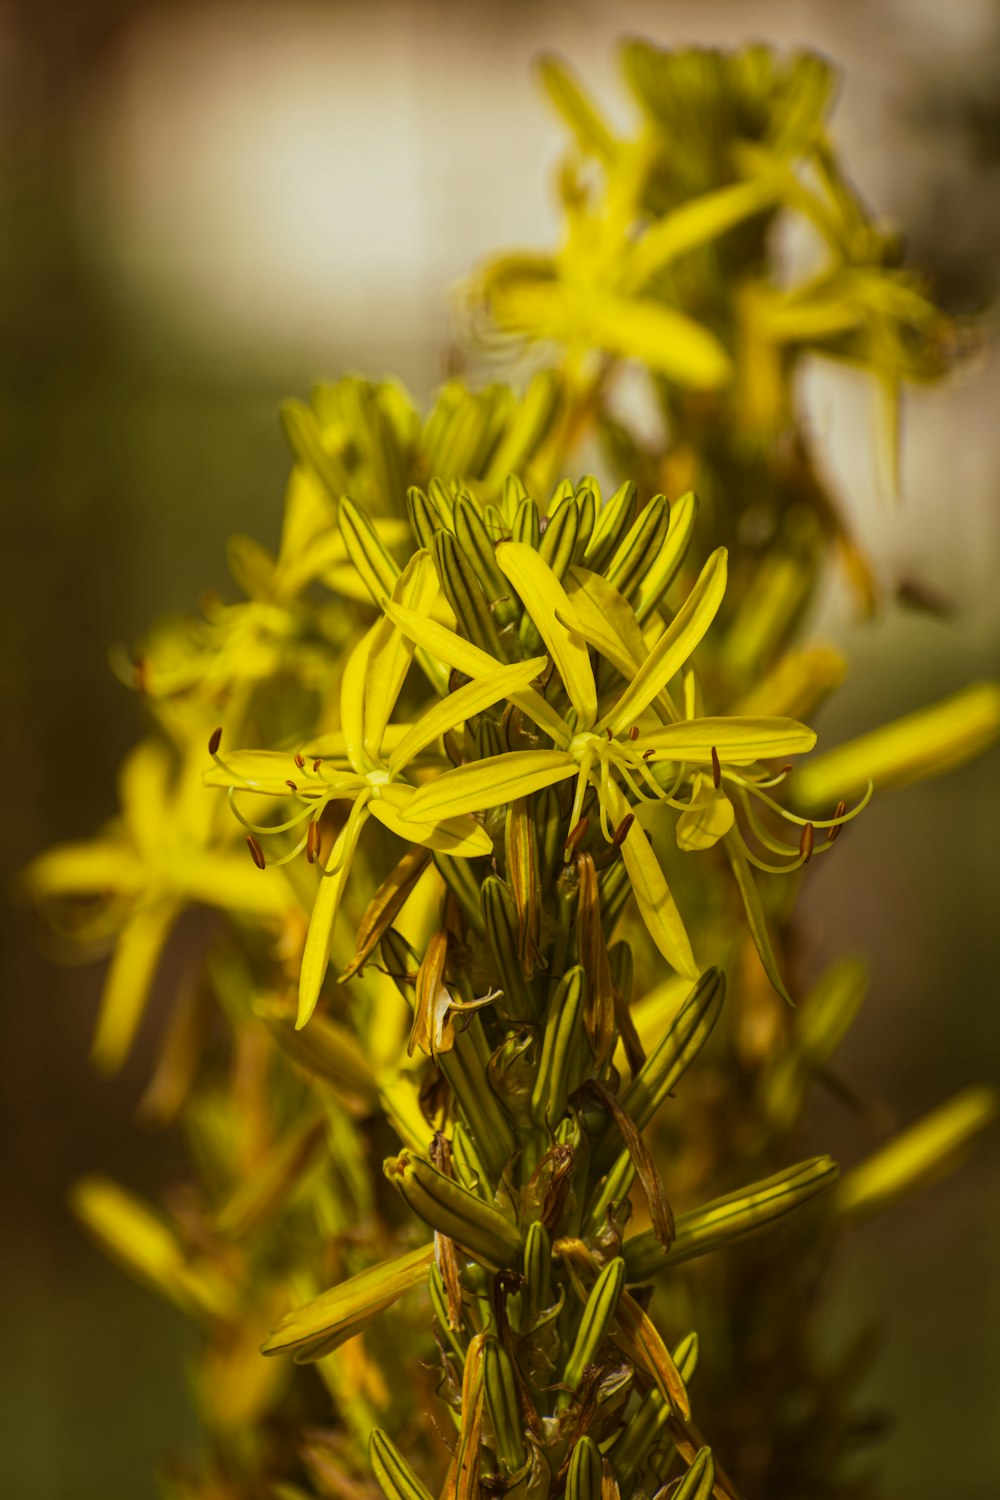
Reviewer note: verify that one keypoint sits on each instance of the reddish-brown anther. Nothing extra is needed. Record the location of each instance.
(256, 852)
(214, 741)
(834, 832)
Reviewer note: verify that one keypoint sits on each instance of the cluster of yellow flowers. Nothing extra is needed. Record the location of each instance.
(509, 762)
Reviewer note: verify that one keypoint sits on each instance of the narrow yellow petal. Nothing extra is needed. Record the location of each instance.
(392, 651)
(545, 599)
(477, 695)
(675, 645)
(926, 743)
(657, 906)
(130, 975)
(738, 742)
(352, 701)
(83, 869)
(491, 782)
(463, 656)
(319, 938)
(460, 836)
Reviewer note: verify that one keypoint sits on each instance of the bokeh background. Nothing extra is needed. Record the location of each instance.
(205, 206)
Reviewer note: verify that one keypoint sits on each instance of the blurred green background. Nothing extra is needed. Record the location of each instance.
(205, 207)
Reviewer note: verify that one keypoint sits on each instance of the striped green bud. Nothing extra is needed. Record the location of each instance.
(425, 519)
(469, 1166)
(305, 438)
(469, 1082)
(460, 878)
(583, 1480)
(587, 504)
(664, 566)
(504, 1407)
(558, 542)
(464, 592)
(480, 1229)
(313, 1330)
(477, 546)
(670, 1059)
(503, 931)
(527, 525)
(565, 1053)
(652, 1415)
(610, 527)
(366, 551)
(528, 425)
(397, 1480)
(725, 1220)
(536, 1294)
(699, 1481)
(598, 1315)
(639, 549)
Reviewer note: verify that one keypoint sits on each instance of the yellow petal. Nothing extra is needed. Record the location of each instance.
(319, 938)
(464, 657)
(657, 906)
(545, 599)
(84, 869)
(477, 695)
(708, 818)
(392, 651)
(675, 645)
(926, 743)
(460, 836)
(491, 782)
(130, 975)
(738, 742)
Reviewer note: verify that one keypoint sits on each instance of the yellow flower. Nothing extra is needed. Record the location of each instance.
(159, 857)
(365, 766)
(639, 747)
